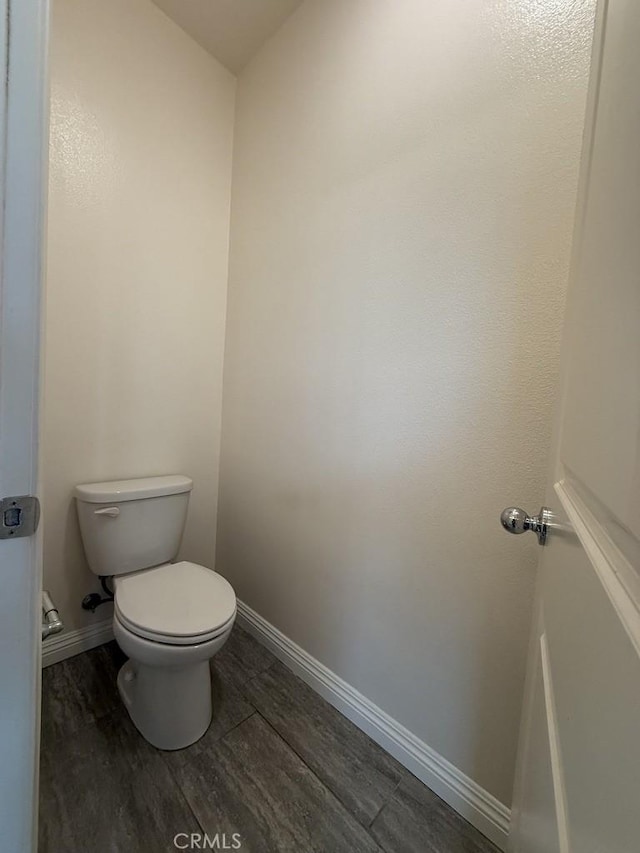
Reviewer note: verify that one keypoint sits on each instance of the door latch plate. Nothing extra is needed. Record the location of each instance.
(19, 516)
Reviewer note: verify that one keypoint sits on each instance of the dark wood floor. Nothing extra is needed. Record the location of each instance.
(279, 766)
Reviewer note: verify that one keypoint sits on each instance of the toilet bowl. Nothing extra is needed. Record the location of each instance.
(170, 618)
(170, 621)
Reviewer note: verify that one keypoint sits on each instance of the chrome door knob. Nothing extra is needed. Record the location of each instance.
(516, 520)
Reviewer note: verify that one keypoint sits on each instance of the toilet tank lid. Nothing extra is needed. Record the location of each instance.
(117, 491)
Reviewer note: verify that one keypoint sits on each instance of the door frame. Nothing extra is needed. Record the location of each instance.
(24, 105)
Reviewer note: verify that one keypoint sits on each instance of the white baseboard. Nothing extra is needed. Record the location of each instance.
(69, 643)
(475, 804)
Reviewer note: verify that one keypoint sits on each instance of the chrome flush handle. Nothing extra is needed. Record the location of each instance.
(516, 520)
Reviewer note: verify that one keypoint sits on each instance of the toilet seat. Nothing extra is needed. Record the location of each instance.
(175, 603)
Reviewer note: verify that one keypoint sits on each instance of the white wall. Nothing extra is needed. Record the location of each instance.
(403, 193)
(141, 142)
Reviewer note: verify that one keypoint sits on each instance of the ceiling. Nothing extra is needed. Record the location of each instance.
(231, 30)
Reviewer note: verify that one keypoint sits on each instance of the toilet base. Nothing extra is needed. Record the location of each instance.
(167, 689)
(170, 707)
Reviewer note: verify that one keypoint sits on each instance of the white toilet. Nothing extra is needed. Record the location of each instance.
(169, 618)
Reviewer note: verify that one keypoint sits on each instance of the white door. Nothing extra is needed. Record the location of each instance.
(578, 780)
(23, 100)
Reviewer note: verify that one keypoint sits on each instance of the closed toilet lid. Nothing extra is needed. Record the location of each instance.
(179, 603)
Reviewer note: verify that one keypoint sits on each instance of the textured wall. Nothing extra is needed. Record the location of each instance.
(403, 194)
(141, 139)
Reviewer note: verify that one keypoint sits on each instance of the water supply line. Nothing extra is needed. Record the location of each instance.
(51, 621)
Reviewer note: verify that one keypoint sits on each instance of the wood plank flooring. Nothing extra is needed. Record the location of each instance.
(279, 766)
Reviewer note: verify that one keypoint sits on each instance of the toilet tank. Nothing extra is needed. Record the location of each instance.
(127, 525)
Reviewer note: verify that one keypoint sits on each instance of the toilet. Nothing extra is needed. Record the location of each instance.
(169, 618)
